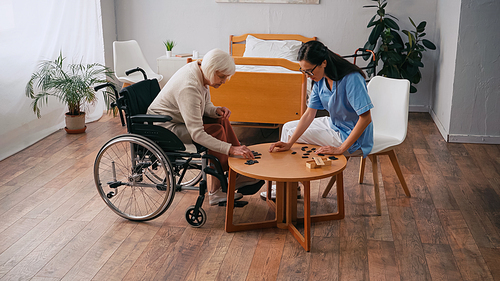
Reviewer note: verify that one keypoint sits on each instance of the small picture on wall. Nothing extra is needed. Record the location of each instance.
(271, 1)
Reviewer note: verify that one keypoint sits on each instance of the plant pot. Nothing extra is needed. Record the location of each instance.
(75, 124)
(169, 54)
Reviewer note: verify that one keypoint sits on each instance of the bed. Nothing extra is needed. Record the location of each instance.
(267, 89)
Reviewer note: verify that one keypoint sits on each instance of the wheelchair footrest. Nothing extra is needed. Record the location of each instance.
(115, 184)
(237, 204)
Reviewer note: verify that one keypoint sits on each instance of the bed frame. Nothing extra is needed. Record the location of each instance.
(261, 99)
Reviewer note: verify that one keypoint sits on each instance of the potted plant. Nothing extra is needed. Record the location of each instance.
(169, 44)
(72, 85)
(401, 60)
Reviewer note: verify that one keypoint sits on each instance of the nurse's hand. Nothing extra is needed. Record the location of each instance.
(329, 150)
(280, 146)
(241, 150)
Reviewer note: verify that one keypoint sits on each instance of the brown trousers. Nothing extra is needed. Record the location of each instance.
(220, 129)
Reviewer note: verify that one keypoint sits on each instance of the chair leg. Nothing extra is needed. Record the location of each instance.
(329, 186)
(331, 182)
(397, 168)
(361, 170)
(376, 187)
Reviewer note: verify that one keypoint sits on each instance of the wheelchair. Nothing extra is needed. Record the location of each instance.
(135, 173)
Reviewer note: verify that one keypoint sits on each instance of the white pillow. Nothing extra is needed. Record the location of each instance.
(258, 48)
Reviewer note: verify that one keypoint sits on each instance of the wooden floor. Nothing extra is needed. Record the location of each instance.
(54, 226)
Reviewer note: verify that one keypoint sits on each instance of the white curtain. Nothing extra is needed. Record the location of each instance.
(34, 30)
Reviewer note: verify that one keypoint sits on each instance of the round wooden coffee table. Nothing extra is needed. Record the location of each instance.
(286, 169)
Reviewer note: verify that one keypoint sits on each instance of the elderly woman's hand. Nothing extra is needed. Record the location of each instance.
(241, 151)
(223, 112)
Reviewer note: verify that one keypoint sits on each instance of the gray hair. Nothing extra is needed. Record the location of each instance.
(217, 60)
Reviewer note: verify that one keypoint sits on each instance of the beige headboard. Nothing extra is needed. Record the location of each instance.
(237, 43)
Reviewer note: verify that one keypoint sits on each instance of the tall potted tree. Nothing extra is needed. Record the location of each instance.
(400, 59)
(72, 85)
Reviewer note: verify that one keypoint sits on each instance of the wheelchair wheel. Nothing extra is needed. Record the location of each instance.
(196, 220)
(134, 177)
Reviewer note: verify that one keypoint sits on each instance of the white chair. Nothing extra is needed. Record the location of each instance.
(127, 55)
(390, 98)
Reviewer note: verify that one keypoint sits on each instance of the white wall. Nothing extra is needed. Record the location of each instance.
(204, 24)
(448, 18)
(108, 29)
(476, 97)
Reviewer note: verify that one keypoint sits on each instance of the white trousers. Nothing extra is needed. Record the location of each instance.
(318, 133)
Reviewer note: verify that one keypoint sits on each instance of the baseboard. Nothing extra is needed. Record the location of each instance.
(458, 138)
(440, 126)
(473, 139)
(419, 108)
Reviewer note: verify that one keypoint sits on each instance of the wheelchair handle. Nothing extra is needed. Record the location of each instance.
(128, 72)
(113, 104)
(98, 87)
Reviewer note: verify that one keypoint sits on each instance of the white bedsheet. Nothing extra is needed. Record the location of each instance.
(264, 68)
(273, 69)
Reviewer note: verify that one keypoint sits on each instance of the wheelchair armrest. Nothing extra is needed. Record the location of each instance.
(222, 179)
(141, 118)
(218, 172)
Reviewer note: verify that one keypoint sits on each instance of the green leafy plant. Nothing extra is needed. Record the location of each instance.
(169, 44)
(72, 85)
(400, 59)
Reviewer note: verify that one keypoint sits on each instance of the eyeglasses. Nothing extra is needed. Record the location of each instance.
(309, 72)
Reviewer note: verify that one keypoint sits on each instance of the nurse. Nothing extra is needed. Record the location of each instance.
(340, 88)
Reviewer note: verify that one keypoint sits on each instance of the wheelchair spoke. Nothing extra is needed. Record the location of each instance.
(118, 153)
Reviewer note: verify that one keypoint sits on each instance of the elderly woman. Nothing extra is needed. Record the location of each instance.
(186, 98)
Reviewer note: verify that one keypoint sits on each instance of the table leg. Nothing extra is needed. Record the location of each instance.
(307, 215)
(292, 188)
(281, 204)
(230, 200)
(290, 204)
(286, 210)
(291, 215)
(230, 226)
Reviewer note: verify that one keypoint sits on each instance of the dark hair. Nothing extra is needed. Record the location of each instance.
(336, 68)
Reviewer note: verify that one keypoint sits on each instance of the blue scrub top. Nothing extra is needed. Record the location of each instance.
(345, 104)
